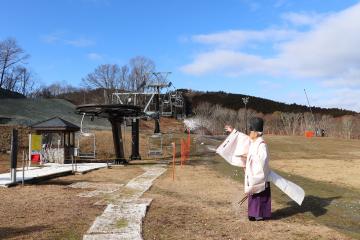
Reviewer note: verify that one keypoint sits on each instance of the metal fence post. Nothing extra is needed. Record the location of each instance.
(13, 155)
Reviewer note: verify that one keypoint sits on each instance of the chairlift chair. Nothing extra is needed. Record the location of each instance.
(85, 134)
(155, 145)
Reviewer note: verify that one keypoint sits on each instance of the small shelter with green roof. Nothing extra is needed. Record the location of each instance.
(53, 140)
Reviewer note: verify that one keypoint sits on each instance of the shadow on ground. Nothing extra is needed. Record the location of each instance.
(313, 204)
(10, 232)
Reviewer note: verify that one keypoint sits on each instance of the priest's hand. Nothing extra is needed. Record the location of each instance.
(228, 128)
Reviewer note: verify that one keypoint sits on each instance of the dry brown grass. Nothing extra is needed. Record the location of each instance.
(332, 160)
(202, 204)
(52, 210)
(45, 212)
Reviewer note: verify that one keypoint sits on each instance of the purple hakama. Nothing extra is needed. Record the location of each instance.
(259, 204)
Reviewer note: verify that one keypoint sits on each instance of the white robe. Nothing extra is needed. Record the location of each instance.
(257, 171)
(257, 167)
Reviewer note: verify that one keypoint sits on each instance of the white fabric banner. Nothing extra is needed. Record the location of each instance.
(294, 191)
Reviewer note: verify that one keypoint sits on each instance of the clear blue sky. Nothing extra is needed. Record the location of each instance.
(270, 48)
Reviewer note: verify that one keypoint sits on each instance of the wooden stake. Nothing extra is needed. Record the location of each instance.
(23, 166)
(174, 153)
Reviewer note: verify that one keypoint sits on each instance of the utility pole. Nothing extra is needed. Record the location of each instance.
(245, 101)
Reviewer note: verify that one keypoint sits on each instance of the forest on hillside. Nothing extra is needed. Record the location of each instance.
(211, 118)
(262, 105)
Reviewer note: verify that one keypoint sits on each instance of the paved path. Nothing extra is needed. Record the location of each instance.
(48, 170)
(122, 218)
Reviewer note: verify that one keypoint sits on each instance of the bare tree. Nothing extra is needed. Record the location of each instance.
(10, 56)
(220, 117)
(10, 79)
(53, 90)
(203, 115)
(327, 124)
(239, 122)
(20, 79)
(124, 77)
(273, 123)
(348, 124)
(290, 122)
(106, 76)
(356, 131)
(141, 72)
(309, 123)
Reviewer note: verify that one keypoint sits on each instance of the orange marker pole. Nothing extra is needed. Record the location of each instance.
(188, 138)
(174, 153)
(182, 152)
(188, 145)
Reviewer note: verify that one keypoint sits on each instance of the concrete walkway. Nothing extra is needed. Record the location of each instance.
(122, 218)
(46, 171)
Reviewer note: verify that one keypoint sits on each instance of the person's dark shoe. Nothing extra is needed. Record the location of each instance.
(257, 218)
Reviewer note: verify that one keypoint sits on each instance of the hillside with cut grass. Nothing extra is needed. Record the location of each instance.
(29, 111)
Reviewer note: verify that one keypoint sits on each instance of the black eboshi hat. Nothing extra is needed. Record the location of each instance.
(256, 124)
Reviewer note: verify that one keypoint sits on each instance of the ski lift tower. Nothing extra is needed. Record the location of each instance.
(159, 83)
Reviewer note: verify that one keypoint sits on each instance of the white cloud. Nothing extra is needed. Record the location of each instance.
(60, 37)
(238, 38)
(280, 3)
(328, 51)
(53, 37)
(227, 62)
(94, 56)
(303, 19)
(253, 5)
(80, 42)
(269, 85)
(344, 97)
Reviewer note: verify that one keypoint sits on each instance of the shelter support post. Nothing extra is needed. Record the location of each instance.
(13, 155)
(135, 155)
(118, 141)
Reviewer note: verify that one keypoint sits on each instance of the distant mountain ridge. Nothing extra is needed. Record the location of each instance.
(193, 98)
(266, 106)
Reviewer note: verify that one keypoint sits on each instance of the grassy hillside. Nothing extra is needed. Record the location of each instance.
(30, 111)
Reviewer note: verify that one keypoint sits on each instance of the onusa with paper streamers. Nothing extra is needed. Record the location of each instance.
(235, 148)
(240, 150)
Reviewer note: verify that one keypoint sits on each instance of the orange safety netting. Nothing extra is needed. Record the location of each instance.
(309, 134)
(185, 149)
(184, 152)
